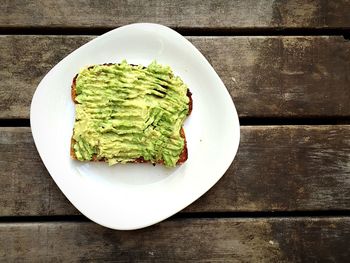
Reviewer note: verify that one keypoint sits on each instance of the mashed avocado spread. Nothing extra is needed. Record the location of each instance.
(124, 112)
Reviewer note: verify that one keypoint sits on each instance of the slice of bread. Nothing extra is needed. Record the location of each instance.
(184, 154)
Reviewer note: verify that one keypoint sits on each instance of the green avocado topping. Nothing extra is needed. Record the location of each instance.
(124, 112)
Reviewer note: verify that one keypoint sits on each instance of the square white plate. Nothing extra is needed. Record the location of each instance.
(133, 196)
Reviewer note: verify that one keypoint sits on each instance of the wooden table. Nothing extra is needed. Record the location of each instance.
(286, 196)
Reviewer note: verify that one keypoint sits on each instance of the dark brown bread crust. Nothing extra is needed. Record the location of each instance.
(183, 155)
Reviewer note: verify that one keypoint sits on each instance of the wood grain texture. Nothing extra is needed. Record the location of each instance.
(222, 14)
(266, 76)
(278, 168)
(181, 240)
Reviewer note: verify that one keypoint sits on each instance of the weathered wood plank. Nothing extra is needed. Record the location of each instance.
(181, 240)
(279, 168)
(285, 168)
(222, 14)
(266, 76)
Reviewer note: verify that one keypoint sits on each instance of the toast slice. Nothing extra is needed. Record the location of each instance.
(182, 157)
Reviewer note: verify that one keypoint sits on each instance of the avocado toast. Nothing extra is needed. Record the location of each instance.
(130, 113)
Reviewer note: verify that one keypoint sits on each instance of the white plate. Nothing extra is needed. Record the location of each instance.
(133, 196)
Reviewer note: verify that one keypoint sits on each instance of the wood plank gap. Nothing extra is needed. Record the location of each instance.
(265, 214)
(184, 31)
(36, 219)
(190, 215)
(266, 121)
(15, 123)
